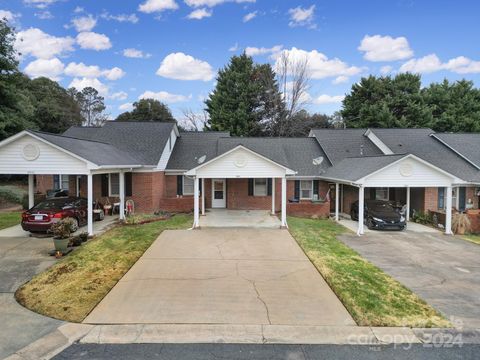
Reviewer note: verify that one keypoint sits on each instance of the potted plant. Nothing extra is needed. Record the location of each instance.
(460, 224)
(61, 231)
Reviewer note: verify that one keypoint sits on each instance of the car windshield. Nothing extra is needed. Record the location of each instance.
(54, 204)
(381, 206)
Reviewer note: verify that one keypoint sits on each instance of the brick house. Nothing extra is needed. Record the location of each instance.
(160, 168)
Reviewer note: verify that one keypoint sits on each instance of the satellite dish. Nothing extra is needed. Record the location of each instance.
(201, 159)
(318, 161)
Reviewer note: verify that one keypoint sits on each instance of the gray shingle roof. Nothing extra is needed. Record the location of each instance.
(419, 143)
(143, 140)
(96, 152)
(466, 144)
(339, 144)
(192, 145)
(355, 168)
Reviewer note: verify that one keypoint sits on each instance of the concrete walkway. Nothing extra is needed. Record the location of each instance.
(220, 276)
(411, 227)
(225, 218)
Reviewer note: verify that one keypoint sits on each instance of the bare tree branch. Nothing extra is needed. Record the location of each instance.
(193, 120)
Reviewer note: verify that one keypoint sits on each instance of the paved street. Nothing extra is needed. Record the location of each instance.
(443, 270)
(254, 352)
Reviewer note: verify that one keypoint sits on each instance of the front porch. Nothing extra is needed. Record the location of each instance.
(226, 218)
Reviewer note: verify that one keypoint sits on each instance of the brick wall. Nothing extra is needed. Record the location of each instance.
(350, 195)
(431, 199)
(43, 183)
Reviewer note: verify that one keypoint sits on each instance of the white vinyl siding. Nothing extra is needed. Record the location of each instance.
(187, 185)
(167, 151)
(260, 187)
(113, 185)
(306, 189)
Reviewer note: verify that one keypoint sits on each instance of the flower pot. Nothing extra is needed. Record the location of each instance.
(61, 244)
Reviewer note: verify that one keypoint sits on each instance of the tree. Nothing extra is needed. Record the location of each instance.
(193, 121)
(55, 110)
(16, 108)
(232, 106)
(387, 102)
(92, 106)
(147, 110)
(302, 122)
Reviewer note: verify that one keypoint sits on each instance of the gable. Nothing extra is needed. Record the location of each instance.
(28, 155)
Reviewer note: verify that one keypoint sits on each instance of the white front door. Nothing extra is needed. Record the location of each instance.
(218, 193)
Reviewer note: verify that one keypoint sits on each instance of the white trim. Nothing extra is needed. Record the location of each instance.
(167, 149)
(255, 187)
(193, 172)
(377, 142)
(456, 151)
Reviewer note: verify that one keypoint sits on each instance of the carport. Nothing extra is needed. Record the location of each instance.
(399, 171)
(35, 153)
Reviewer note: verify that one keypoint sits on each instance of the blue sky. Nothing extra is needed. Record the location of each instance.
(171, 49)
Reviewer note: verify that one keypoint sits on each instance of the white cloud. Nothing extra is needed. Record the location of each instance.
(135, 53)
(302, 16)
(82, 83)
(93, 71)
(36, 43)
(164, 96)
(131, 18)
(150, 6)
(387, 69)
(319, 65)
(8, 15)
(185, 67)
(431, 63)
(199, 14)
(250, 16)
(41, 4)
(254, 51)
(84, 23)
(126, 107)
(212, 3)
(51, 68)
(340, 79)
(385, 48)
(78, 10)
(234, 47)
(121, 95)
(329, 99)
(44, 15)
(94, 41)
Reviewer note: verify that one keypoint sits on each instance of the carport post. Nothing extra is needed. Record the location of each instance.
(121, 177)
(361, 208)
(448, 212)
(407, 214)
(31, 191)
(337, 188)
(195, 203)
(203, 196)
(90, 205)
(284, 201)
(273, 196)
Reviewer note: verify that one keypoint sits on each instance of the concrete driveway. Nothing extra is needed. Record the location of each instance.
(441, 269)
(222, 276)
(20, 259)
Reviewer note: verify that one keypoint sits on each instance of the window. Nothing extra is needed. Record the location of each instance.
(60, 182)
(113, 185)
(260, 187)
(187, 185)
(306, 189)
(455, 197)
(381, 193)
(441, 198)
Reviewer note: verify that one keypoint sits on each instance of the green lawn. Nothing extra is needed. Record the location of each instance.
(473, 238)
(71, 288)
(10, 218)
(372, 297)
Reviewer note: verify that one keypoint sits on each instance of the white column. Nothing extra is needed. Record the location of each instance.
(203, 196)
(31, 191)
(337, 196)
(273, 196)
(361, 197)
(407, 215)
(90, 204)
(284, 202)
(196, 221)
(448, 211)
(121, 177)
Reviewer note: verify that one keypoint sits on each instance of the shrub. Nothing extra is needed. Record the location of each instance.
(422, 218)
(461, 224)
(63, 228)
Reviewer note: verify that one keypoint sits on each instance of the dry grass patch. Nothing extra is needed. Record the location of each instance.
(372, 297)
(70, 289)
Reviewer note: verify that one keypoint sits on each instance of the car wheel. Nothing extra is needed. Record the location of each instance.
(74, 226)
(370, 224)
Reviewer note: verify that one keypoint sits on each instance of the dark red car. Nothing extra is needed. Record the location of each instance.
(41, 217)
